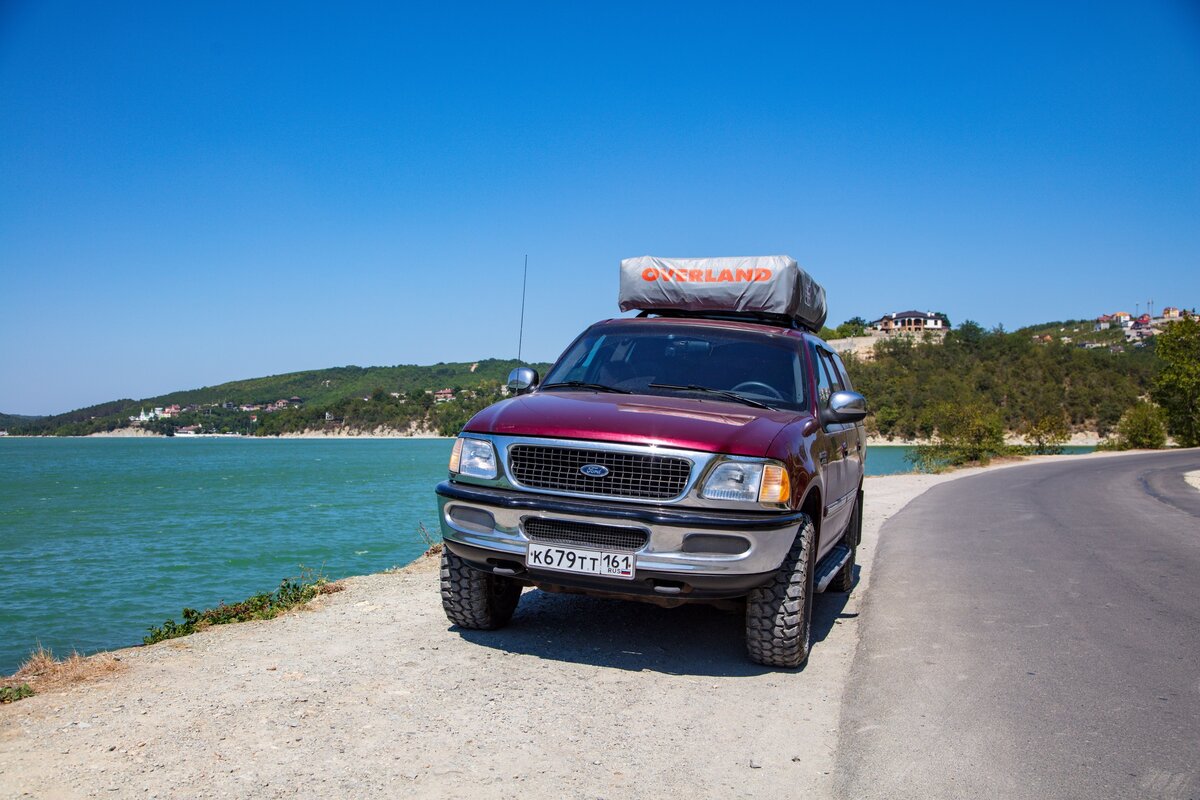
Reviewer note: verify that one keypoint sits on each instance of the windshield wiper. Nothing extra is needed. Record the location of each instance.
(599, 387)
(691, 387)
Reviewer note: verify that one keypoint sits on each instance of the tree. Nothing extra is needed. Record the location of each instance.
(1177, 386)
(965, 433)
(1142, 427)
(1048, 434)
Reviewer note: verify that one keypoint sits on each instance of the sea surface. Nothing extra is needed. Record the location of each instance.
(101, 538)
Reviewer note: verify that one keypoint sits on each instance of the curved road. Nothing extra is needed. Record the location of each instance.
(1033, 632)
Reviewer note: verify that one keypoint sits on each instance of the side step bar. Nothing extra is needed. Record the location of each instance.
(830, 565)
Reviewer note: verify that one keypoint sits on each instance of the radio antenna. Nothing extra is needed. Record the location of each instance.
(521, 329)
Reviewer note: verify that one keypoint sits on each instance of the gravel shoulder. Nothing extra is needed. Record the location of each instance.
(370, 692)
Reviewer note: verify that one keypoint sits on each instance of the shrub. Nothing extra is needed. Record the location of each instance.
(1143, 427)
(292, 592)
(964, 434)
(11, 694)
(1048, 434)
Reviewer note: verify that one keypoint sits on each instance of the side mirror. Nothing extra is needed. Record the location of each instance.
(522, 379)
(845, 407)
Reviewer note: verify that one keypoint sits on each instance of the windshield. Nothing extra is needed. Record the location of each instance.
(665, 359)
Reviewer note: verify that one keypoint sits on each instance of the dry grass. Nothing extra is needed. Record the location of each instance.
(331, 588)
(43, 672)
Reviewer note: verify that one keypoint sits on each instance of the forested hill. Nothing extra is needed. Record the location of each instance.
(912, 387)
(319, 390)
(9, 420)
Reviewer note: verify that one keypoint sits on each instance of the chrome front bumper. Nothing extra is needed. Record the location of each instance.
(485, 526)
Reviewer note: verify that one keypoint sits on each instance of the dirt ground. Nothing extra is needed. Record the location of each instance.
(369, 692)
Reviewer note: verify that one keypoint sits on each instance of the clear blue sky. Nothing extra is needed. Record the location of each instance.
(198, 192)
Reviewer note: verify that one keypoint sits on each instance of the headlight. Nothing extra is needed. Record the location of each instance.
(748, 482)
(473, 457)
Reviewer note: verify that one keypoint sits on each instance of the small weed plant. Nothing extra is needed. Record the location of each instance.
(11, 694)
(292, 592)
(433, 546)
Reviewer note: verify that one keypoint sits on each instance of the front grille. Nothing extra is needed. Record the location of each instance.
(584, 534)
(646, 477)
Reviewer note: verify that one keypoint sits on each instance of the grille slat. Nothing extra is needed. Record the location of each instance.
(584, 534)
(647, 477)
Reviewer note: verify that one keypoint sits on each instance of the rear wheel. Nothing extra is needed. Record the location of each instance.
(475, 599)
(779, 614)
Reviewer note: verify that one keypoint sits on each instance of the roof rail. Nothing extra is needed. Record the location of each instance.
(761, 317)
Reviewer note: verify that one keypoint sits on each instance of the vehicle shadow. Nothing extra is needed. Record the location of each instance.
(622, 634)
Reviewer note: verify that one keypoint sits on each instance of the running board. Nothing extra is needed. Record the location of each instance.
(830, 565)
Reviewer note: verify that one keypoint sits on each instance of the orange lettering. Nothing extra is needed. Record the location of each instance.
(649, 274)
(708, 276)
(745, 275)
(695, 274)
(762, 274)
(725, 276)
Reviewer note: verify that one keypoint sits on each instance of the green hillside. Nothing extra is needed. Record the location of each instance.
(324, 386)
(340, 391)
(913, 386)
(1040, 375)
(11, 420)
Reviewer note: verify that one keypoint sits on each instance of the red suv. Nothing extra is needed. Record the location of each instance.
(688, 454)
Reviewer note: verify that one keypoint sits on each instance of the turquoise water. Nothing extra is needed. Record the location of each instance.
(101, 538)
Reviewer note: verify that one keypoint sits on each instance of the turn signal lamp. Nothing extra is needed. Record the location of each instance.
(456, 455)
(775, 486)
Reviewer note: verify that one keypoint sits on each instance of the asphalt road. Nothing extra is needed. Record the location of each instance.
(1033, 632)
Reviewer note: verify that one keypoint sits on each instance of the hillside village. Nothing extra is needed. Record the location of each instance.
(1113, 331)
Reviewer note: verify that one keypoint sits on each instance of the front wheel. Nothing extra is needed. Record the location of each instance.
(477, 600)
(779, 614)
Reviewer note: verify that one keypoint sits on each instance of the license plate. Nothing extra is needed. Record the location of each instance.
(581, 562)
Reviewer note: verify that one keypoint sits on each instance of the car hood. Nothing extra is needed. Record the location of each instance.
(716, 426)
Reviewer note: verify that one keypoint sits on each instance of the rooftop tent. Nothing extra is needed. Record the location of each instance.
(746, 284)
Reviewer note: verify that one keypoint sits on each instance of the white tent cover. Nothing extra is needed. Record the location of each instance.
(756, 284)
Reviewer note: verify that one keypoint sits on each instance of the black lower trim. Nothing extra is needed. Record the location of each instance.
(691, 587)
(656, 515)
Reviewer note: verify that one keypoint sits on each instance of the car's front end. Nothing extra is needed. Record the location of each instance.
(618, 518)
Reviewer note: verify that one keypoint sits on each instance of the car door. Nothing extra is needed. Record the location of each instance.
(856, 433)
(831, 452)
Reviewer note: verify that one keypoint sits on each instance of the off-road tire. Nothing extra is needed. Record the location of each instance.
(779, 614)
(474, 599)
(844, 580)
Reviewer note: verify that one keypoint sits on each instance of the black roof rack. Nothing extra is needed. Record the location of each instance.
(761, 317)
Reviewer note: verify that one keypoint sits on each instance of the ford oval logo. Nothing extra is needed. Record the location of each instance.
(594, 470)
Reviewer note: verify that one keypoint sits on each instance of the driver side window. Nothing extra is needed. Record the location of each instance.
(829, 380)
(824, 385)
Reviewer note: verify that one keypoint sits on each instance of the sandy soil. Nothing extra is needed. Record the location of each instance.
(1079, 439)
(123, 433)
(369, 693)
